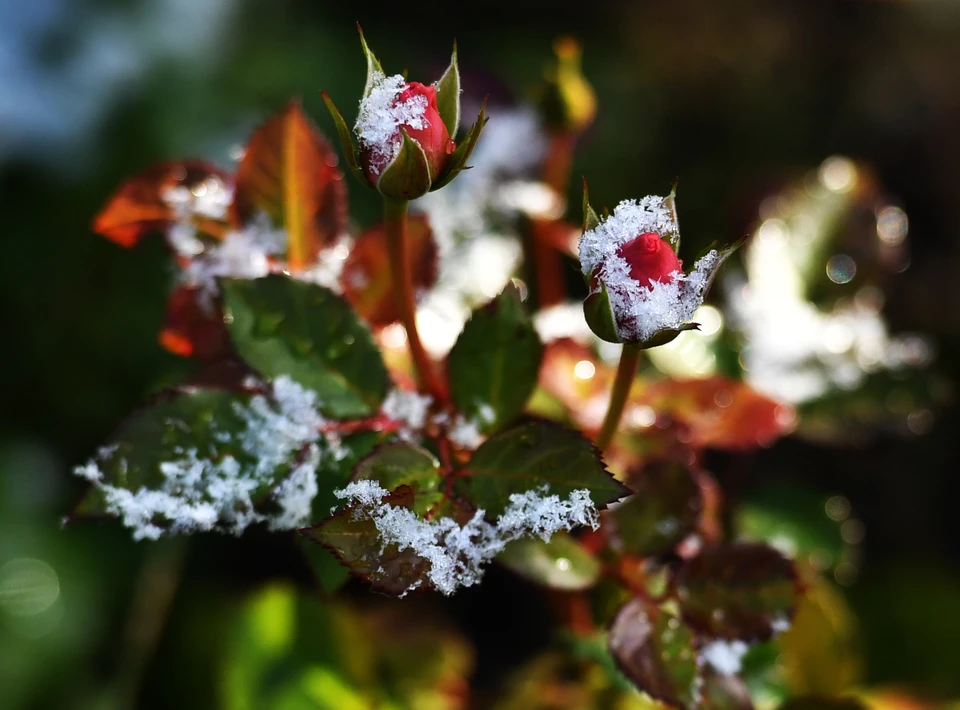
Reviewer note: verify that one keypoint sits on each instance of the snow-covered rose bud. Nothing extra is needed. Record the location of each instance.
(639, 292)
(384, 119)
(405, 131)
(650, 259)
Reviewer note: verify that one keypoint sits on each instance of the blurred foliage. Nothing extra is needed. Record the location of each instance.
(737, 99)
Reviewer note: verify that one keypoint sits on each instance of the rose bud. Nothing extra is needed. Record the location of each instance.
(387, 114)
(639, 292)
(405, 132)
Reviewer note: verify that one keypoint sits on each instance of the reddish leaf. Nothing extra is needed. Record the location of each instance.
(664, 509)
(366, 280)
(137, 207)
(193, 328)
(742, 591)
(357, 543)
(719, 413)
(656, 651)
(289, 171)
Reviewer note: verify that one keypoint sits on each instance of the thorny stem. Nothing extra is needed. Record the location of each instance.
(153, 596)
(398, 245)
(626, 372)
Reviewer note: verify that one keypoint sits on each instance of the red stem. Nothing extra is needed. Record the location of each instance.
(398, 245)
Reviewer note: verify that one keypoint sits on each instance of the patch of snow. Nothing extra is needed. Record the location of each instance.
(458, 553)
(464, 433)
(215, 492)
(725, 656)
(381, 116)
(410, 408)
(243, 254)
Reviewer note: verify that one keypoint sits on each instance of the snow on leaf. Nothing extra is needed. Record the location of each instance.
(447, 553)
(213, 460)
(189, 190)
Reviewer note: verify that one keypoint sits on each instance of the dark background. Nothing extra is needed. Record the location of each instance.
(735, 98)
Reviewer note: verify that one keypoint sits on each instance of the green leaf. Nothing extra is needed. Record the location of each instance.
(535, 454)
(281, 326)
(373, 64)
(403, 464)
(561, 563)
(742, 591)
(346, 140)
(448, 95)
(494, 364)
(357, 543)
(664, 510)
(656, 651)
(458, 161)
(209, 425)
(334, 473)
(407, 177)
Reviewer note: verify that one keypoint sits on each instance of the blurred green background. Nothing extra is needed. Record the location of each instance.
(737, 99)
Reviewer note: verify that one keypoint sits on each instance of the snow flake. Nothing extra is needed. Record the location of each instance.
(381, 116)
(457, 553)
(724, 656)
(201, 493)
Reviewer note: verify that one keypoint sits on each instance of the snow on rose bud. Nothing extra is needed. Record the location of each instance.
(639, 292)
(405, 132)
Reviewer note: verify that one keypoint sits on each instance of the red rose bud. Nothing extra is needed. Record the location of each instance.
(405, 130)
(402, 168)
(650, 259)
(432, 136)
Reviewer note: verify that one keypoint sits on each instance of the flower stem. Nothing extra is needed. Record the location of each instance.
(398, 246)
(626, 372)
(154, 594)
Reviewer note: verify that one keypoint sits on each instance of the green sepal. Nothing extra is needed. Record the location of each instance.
(407, 177)
(346, 140)
(458, 161)
(373, 64)
(599, 315)
(448, 95)
(590, 219)
(724, 253)
(671, 202)
(665, 336)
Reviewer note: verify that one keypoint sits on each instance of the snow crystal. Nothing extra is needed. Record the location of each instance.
(456, 553)
(643, 310)
(464, 433)
(381, 116)
(724, 656)
(409, 408)
(209, 199)
(243, 254)
(216, 492)
(780, 624)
